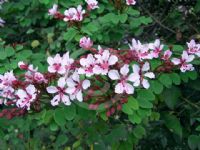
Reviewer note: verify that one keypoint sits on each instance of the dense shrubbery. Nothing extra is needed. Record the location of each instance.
(113, 92)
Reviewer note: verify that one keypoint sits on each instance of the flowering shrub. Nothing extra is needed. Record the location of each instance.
(106, 91)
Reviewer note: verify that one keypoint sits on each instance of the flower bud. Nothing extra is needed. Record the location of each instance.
(85, 43)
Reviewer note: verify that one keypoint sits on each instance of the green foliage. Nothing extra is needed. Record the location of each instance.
(166, 116)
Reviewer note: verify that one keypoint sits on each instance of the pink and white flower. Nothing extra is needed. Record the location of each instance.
(140, 51)
(167, 54)
(193, 48)
(130, 2)
(76, 86)
(156, 47)
(86, 43)
(60, 92)
(104, 61)
(53, 11)
(184, 62)
(26, 97)
(123, 86)
(141, 73)
(22, 65)
(56, 64)
(7, 80)
(88, 65)
(92, 4)
(74, 14)
(67, 62)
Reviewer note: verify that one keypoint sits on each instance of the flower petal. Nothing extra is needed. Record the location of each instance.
(124, 70)
(86, 84)
(114, 75)
(52, 89)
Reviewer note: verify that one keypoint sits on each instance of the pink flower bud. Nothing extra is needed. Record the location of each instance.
(22, 65)
(130, 2)
(86, 43)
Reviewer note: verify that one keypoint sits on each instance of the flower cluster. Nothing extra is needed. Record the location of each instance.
(67, 79)
(73, 14)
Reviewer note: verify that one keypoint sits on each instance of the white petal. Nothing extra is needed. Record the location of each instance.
(146, 66)
(185, 55)
(129, 88)
(114, 75)
(70, 82)
(61, 82)
(55, 101)
(150, 75)
(112, 60)
(52, 89)
(21, 93)
(145, 83)
(136, 68)
(51, 69)
(86, 84)
(119, 88)
(133, 77)
(190, 58)
(70, 90)
(30, 89)
(124, 70)
(50, 60)
(176, 61)
(65, 100)
(79, 96)
(75, 76)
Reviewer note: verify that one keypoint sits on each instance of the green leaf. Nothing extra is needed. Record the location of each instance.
(165, 80)
(175, 78)
(127, 109)
(70, 112)
(178, 48)
(146, 95)
(171, 96)
(59, 116)
(9, 51)
(145, 103)
(61, 140)
(139, 132)
(70, 34)
(193, 142)
(173, 124)
(3, 55)
(133, 12)
(192, 75)
(135, 118)
(123, 18)
(132, 102)
(156, 87)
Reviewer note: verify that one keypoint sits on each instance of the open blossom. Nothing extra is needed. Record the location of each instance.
(156, 47)
(2, 22)
(122, 86)
(53, 11)
(92, 4)
(87, 64)
(193, 48)
(167, 54)
(184, 62)
(7, 79)
(141, 73)
(85, 43)
(26, 97)
(56, 64)
(74, 14)
(60, 92)
(104, 61)
(76, 86)
(140, 51)
(130, 2)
